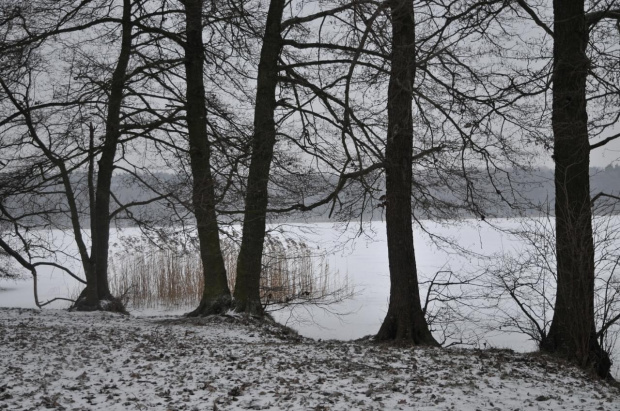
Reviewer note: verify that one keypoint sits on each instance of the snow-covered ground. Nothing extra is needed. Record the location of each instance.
(363, 261)
(53, 359)
(360, 257)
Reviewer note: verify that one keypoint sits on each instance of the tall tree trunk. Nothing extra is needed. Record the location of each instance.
(249, 263)
(405, 319)
(572, 333)
(97, 282)
(216, 295)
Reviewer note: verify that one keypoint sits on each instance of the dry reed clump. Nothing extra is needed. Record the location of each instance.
(151, 276)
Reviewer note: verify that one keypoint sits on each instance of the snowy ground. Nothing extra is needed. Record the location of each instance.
(363, 262)
(99, 361)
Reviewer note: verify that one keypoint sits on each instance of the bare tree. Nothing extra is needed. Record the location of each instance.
(275, 57)
(54, 138)
(249, 265)
(216, 296)
(405, 319)
(572, 333)
(97, 294)
(97, 285)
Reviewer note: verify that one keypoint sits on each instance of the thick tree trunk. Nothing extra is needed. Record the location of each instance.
(216, 295)
(249, 263)
(572, 333)
(404, 320)
(97, 281)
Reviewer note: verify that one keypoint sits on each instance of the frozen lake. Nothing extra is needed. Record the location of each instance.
(361, 258)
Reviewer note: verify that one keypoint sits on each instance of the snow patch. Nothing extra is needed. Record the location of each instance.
(94, 361)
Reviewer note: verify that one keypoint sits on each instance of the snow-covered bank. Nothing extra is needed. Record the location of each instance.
(363, 262)
(361, 258)
(98, 361)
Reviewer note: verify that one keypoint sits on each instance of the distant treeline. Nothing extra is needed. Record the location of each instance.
(530, 194)
(522, 194)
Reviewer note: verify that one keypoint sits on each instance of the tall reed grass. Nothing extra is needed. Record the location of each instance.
(148, 275)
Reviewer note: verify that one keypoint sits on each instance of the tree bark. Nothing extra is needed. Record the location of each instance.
(249, 263)
(216, 295)
(405, 319)
(572, 333)
(97, 294)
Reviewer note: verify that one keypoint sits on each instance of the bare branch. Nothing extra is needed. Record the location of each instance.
(534, 16)
(602, 143)
(596, 16)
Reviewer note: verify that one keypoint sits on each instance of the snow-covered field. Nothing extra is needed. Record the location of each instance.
(361, 258)
(363, 261)
(53, 359)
